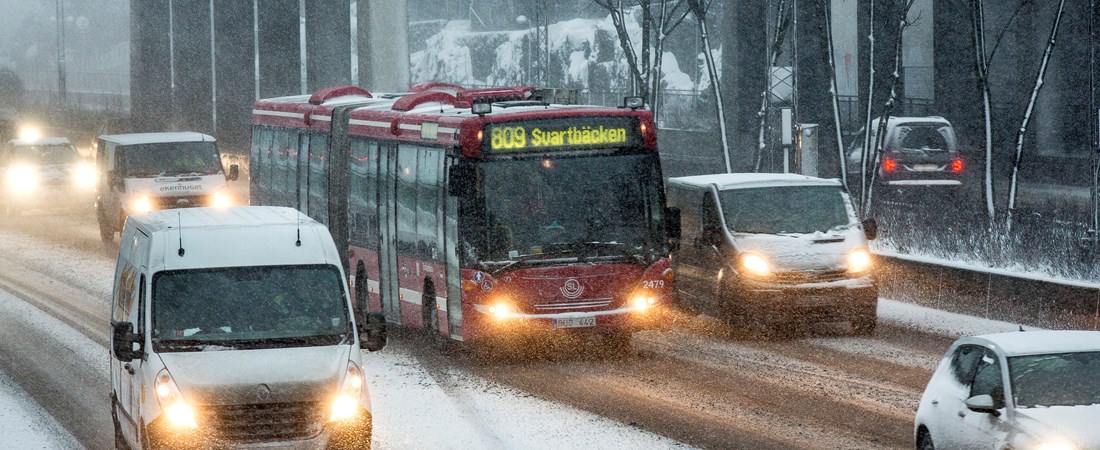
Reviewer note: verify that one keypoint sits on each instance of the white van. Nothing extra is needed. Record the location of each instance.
(144, 172)
(233, 327)
(772, 249)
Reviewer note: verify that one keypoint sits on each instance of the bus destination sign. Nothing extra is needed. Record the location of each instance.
(559, 134)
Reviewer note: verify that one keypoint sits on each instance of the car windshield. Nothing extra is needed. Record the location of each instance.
(46, 154)
(170, 159)
(924, 136)
(784, 209)
(1063, 379)
(267, 306)
(564, 205)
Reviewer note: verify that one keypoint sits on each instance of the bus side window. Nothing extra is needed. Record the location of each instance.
(429, 182)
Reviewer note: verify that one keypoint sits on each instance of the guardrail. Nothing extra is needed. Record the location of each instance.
(1026, 299)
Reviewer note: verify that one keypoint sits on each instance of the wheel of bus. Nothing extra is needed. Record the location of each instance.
(362, 299)
(429, 316)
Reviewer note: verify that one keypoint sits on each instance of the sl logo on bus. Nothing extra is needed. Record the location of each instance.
(572, 289)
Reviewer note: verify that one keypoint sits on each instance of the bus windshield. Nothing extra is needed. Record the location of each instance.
(566, 205)
(170, 159)
(249, 307)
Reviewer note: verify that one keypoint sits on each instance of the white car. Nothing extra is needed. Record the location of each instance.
(1022, 390)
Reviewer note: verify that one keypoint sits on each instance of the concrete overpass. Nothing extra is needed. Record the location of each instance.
(199, 64)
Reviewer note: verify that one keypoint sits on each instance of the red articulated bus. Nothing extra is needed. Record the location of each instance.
(477, 212)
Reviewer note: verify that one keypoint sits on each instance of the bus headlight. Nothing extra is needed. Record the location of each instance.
(346, 404)
(501, 309)
(755, 265)
(176, 409)
(221, 200)
(85, 176)
(642, 302)
(141, 205)
(859, 261)
(23, 179)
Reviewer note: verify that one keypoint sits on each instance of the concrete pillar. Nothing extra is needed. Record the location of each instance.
(235, 77)
(150, 88)
(383, 40)
(194, 94)
(743, 76)
(328, 43)
(280, 66)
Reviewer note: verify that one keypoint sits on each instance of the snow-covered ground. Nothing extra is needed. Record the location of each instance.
(24, 424)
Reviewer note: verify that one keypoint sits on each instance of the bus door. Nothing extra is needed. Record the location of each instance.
(387, 247)
(451, 244)
(301, 160)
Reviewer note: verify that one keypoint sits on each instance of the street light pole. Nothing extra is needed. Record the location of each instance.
(61, 51)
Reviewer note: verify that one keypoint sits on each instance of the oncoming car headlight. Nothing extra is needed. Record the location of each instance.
(755, 265)
(84, 176)
(221, 200)
(859, 260)
(22, 178)
(346, 404)
(176, 409)
(141, 204)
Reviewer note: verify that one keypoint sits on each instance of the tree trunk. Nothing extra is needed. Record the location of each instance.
(700, 11)
(1039, 78)
(867, 123)
(783, 16)
(977, 17)
(888, 108)
(825, 6)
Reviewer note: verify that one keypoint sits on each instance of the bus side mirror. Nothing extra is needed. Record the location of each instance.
(123, 339)
(372, 334)
(870, 228)
(234, 173)
(672, 226)
(461, 179)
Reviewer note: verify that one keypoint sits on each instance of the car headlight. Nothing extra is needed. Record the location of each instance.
(141, 205)
(176, 409)
(755, 265)
(346, 404)
(859, 261)
(221, 200)
(1056, 445)
(84, 176)
(22, 178)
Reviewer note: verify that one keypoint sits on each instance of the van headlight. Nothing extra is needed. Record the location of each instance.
(346, 404)
(755, 265)
(22, 179)
(1056, 445)
(84, 176)
(176, 409)
(859, 261)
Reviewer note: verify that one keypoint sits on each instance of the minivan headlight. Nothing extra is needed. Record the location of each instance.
(859, 260)
(85, 176)
(176, 409)
(755, 265)
(346, 404)
(22, 178)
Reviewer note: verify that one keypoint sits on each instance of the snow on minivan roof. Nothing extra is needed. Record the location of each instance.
(724, 181)
(152, 138)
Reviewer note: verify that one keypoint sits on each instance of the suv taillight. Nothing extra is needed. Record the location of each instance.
(889, 165)
(957, 166)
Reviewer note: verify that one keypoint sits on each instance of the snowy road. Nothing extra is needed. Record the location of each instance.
(691, 386)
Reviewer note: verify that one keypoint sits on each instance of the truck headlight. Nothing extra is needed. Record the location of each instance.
(221, 200)
(859, 261)
(346, 404)
(176, 409)
(141, 205)
(85, 176)
(22, 179)
(755, 264)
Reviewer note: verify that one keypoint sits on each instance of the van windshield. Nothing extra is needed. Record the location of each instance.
(249, 307)
(784, 209)
(169, 159)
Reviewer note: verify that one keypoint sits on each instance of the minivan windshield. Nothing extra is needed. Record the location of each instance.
(249, 307)
(46, 154)
(169, 159)
(784, 209)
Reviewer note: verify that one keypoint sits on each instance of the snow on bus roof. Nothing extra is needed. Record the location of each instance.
(1038, 342)
(725, 181)
(151, 138)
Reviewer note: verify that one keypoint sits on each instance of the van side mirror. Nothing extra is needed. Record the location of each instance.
(870, 228)
(461, 179)
(673, 227)
(234, 173)
(123, 340)
(372, 334)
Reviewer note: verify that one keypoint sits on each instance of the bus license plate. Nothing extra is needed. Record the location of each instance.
(575, 322)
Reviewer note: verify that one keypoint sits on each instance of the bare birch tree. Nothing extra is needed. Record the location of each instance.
(783, 19)
(1039, 79)
(699, 9)
(617, 9)
(833, 94)
(666, 20)
(981, 63)
(867, 123)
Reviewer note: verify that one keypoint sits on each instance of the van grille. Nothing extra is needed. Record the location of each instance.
(265, 421)
(824, 276)
(184, 201)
